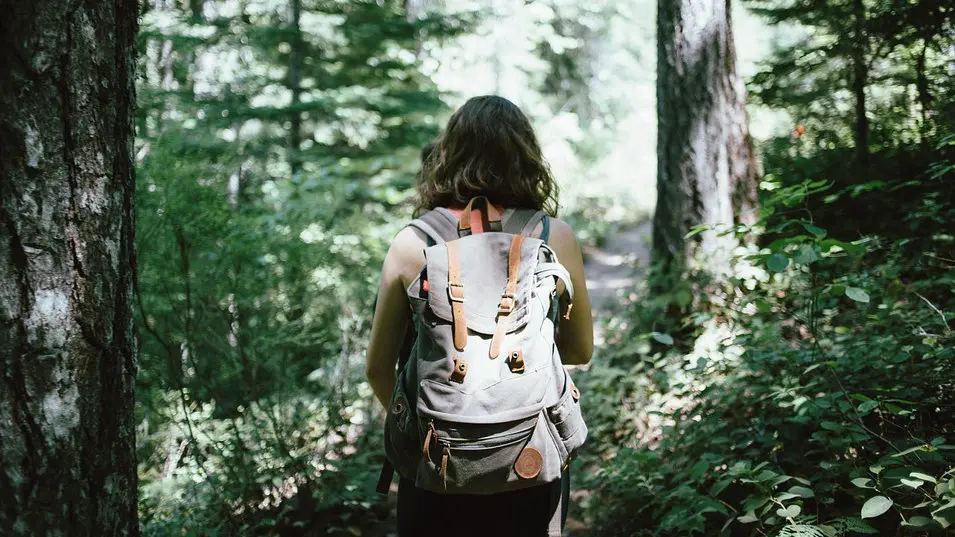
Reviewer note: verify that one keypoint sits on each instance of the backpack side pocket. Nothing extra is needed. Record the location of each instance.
(567, 420)
(402, 446)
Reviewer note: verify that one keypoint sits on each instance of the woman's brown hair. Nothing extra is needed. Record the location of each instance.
(488, 149)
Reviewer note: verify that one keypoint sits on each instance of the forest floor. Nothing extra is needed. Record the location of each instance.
(612, 268)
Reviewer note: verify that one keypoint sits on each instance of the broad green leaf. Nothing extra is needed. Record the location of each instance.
(914, 483)
(862, 482)
(831, 426)
(666, 339)
(777, 262)
(802, 492)
(875, 506)
(719, 487)
(752, 503)
(806, 254)
(876, 469)
(857, 294)
(790, 512)
(867, 406)
(945, 518)
(748, 518)
(828, 531)
(917, 521)
(815, 230)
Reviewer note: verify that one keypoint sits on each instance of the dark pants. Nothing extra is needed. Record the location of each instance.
(520, 513)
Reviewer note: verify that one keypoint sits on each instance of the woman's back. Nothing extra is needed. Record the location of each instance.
(488, 150)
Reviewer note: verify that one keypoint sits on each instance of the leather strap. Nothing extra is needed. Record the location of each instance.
(558, 506)
(456, 296)
(491, 217)
(385, 478)
(507, 299)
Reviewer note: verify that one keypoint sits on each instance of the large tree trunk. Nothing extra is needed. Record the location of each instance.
(67, 348)
(706, 168)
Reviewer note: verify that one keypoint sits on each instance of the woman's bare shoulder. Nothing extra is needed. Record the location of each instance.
(406, 254)
(562, 235)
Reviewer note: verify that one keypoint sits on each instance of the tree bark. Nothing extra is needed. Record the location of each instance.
(860, 80)
(706, 167)
(67, 263)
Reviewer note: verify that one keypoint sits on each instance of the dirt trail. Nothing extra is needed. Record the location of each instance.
(615, 268)
(611, 270)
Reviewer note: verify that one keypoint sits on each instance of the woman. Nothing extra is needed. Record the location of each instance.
(488, 149)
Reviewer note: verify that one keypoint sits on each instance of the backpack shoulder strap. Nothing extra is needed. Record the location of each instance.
(438, 225)
(524, 221)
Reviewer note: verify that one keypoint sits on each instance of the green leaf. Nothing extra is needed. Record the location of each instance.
(719, 487)
(696, 230)
(944, 517)
(802, 492)
(923, 477)
(876, 469)
(867, 407)
(862, 482)
(914, 483)
(777, 262)
(875, 506)
(828, 531)
(917, 521)
(790, 512)
(857, 294)
(666, 339)
(806, 255)
(748, 518)
(831, 426)
(815, 230)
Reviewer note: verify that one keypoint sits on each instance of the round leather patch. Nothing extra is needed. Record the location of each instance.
(529, 463)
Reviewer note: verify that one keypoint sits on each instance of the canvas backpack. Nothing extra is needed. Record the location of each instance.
(482, 403)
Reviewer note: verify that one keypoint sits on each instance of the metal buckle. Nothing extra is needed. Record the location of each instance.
(451, 295)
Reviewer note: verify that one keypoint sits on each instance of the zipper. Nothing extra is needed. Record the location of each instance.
(498, 440)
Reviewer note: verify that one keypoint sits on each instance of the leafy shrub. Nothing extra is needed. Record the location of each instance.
(812, 395)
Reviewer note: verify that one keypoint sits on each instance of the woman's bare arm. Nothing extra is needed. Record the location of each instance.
(575, 339)
(392, 312)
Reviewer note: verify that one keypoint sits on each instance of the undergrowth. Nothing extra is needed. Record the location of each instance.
(812, 395)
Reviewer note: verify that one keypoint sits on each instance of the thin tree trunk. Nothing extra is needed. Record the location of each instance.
(295, 85)
(67, 265)
(860, 80)
(706, 168)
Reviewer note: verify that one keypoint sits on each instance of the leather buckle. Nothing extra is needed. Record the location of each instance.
(516, 362)
(507, 305)
(456, 292)
(460, 370)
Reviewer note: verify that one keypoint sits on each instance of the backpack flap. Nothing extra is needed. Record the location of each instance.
(483, 262)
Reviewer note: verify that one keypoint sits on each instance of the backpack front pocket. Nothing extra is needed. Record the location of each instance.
(484, 459)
